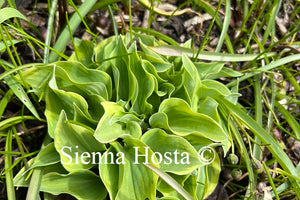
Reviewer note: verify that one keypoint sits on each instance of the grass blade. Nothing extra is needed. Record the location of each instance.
(244, 151)
(268, 140)
(3, 47)
(13, 70)
(271, 23)
(168, 50)
(34, 186)
(210, 10)
(4, 101)
(8, 162)
(22, 33)
(21, 94)
(257, 152)
(267, 67)
(225, 25)
(49, 30)
(290, 77)
(168, 179)
(14, 120)
(283, 187)
(148, 5)
(7, 13)
(36, 179)
(290, 119)
(156, 34)
(64, 37)
(130, 20)
(103, 3)
(115, 26)
(209, 29)
(271, 181)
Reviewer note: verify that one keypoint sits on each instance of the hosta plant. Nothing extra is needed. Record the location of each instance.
(128, 122)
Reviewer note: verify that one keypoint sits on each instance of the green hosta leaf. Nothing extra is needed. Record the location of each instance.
(208, 178)
(81, 117)
(187, 182)
(125, 84)
(47, 156)
(143, 88)
(191, 81)
(76, 145)
(58, 100)
(212, 89)
(156, 81)
(7, 13)
(216, 89)
(166, 189)
(149, 39)
(71, 79)
(104, 48)
(190, 184)
(209, 107)
(83, 184)
(109, 172)
(146, 39)
(150, 68)
(225, 72)
(131, 180)
(22, 179)
(200, 183)
(93, 85)
(74, 77)
(160, 64)
(116, 123)
(168, 198)
(1, 3)
(84, 52)
(198, 141)
(133, 83)
(175, 154)
(166, 88)
(207, 69)
(176, 116)
(204, 179)
(38, 78)
(95, 109)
